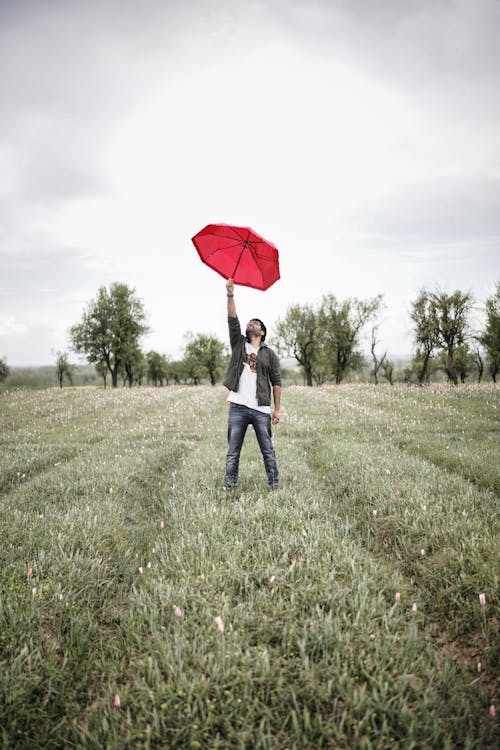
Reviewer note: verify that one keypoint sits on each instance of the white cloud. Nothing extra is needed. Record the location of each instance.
(12, 328)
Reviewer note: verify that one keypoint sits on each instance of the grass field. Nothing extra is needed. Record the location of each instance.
(349, 600)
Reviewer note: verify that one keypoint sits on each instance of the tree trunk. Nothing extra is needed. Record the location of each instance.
(450, 368)
(423, 372)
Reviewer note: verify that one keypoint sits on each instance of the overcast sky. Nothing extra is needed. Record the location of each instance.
(362, 137)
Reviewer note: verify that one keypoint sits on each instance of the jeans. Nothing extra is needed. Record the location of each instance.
(239, 419)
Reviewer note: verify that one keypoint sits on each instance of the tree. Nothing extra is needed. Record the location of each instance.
(4, 370)
(157, 368)
(388, 371)
(490, 338)
(377, 363)
(464, 362)
(111, 328)
(451, 315)
(297, 336)
(340, 324)
(477, 356)
(177, 371)
(134, 365)
(63, 368)
(425, 330)
(204, 354)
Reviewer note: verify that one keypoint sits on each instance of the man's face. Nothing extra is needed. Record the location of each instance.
(254, 329)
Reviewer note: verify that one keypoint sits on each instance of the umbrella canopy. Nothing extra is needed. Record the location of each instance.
(238, 253)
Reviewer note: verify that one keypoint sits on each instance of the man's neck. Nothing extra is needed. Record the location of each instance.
(255, 342)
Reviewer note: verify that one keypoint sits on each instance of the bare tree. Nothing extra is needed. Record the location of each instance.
(377, 363)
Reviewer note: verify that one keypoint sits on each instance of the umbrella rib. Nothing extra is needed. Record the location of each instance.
(238, 263)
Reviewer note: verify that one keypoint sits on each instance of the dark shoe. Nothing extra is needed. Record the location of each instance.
(274, 487)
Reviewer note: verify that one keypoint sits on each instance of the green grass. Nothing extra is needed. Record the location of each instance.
(316, 651)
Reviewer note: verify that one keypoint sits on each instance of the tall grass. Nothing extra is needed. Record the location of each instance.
(119, 549)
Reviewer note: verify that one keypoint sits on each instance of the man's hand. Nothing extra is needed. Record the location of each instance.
(275, 417)
(230, 286)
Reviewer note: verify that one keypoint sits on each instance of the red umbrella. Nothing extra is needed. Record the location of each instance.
(238, 253)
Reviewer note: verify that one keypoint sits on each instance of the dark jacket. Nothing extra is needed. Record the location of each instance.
(268, 365)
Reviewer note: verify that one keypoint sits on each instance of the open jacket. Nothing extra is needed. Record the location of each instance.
(268, 365)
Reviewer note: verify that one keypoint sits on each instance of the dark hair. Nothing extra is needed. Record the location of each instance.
(262, 338)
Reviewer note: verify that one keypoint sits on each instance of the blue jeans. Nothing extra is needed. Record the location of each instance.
(239, 419)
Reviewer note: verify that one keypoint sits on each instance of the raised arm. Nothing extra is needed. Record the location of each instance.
(231, 307)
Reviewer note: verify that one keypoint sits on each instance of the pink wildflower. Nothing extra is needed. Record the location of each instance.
(423, 552)
(178, 612)
(414, 607)
(219, 623)
(482, 600)
(492, 712)
(117, 702)
(398, 596)
(141, 571)
(162, 525)
(272, 579)
(30, 573)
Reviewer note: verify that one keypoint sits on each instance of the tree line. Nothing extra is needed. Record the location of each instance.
(324, 340)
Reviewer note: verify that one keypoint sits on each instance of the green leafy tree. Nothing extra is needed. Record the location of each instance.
(340, 325)
(297, 336)
(192, 370)
(4, 370)
(134, 365)
(177, 371)
(490, 338)
(426, 333)
(451, 313)
(63, 368)
(111, 328)
(204, 354)
(157, 368)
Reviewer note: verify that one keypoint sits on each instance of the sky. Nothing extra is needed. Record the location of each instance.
(362, 138)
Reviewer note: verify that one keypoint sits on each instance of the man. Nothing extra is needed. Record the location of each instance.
(253, 369)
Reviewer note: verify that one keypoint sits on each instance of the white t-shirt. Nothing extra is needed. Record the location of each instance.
(247, 387)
